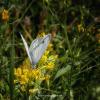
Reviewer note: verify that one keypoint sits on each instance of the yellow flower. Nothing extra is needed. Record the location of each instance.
(21, 75)
(50, 65)
(46, 52)
(41, 34)
(36, 73)
(18, 71)
(5, 15)
(43, 60)
(25, 71)
(33, 90)
(23, 79)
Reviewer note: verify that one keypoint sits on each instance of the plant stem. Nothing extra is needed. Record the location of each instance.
(11, 76)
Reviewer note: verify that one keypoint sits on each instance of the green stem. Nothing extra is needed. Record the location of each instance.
(11, 76)
(71, 95)
(66, 37)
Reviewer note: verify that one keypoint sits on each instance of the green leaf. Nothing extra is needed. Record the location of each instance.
(63, 71)
(1, 97)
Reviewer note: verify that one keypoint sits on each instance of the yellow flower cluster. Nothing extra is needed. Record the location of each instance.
(24, 74)
(5, 15)
(41, 34)
(48, 61)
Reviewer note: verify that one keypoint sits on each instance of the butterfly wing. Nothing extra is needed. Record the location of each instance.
(26, 47)
(35, 43)
(38, 48)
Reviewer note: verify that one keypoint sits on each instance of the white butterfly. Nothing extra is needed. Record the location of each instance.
(37, 48)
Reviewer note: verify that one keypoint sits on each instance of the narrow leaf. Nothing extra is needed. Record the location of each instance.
(63, 71)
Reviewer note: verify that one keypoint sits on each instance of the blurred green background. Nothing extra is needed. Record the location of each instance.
(75, 29)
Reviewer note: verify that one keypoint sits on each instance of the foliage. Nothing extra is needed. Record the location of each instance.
(69, 68)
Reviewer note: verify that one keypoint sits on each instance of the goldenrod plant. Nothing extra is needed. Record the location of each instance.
(30, 79)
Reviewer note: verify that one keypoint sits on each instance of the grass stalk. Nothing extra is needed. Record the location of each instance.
(11, 76)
